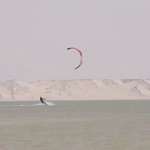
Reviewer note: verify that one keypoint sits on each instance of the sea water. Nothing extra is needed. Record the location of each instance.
(75, 125)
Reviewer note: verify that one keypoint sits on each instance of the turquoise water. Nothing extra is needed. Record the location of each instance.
(75, 125)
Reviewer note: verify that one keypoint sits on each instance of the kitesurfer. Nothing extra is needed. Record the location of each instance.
(42, 100)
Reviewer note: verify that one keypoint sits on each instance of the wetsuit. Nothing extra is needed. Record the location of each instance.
(42, 100)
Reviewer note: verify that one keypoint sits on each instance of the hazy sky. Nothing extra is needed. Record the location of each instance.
(114, 36)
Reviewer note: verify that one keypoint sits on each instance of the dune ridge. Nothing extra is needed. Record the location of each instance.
(87, 89)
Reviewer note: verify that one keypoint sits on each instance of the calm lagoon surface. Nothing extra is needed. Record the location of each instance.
(75, 125)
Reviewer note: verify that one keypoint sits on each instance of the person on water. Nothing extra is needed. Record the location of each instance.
(42, 100)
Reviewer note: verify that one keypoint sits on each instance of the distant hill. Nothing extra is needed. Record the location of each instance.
(75, 89)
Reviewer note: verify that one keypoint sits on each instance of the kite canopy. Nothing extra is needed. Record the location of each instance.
(80, 53)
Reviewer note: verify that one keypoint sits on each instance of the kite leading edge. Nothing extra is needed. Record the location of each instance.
(81, 56)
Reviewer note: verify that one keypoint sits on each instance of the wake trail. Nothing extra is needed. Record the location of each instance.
(28, 105)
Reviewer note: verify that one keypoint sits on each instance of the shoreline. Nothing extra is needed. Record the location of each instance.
(76, 100)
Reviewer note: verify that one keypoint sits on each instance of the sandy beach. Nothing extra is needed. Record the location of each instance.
(75, 90)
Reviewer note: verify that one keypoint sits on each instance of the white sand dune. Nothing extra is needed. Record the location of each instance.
(75, 89)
